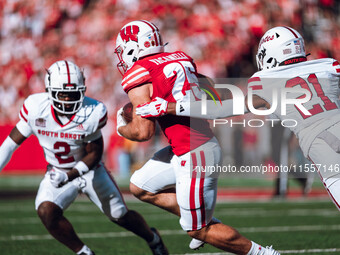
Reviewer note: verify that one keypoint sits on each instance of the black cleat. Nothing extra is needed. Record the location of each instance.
(158, 248)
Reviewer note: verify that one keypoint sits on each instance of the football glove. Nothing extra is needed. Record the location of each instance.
(58, 178)
(120, 120)
(156, 108)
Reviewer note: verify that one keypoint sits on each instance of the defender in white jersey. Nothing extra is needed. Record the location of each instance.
(68, 127)
(282, 62)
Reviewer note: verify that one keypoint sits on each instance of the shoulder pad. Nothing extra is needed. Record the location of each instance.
(255, 82)
(336, 66)
(92, 115)
(33, 105)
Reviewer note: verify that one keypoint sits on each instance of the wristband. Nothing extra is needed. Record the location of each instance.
(81, 167)
(183, 108)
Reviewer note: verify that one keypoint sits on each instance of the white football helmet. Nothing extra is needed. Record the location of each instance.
(65, 79)
(277, 45)
(135, 40)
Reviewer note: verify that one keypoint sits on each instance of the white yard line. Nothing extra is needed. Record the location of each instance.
(311, 251)
(304, 251)
(84, 203)
(157, 216)
(180, 232)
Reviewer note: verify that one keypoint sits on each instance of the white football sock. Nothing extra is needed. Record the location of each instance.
(255, 249)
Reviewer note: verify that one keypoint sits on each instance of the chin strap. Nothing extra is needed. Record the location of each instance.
(293, 61)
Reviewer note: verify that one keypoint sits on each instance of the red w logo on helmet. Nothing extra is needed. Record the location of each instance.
(129, 33)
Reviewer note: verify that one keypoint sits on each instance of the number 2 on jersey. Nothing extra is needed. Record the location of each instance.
(61, 155)
(313, 80)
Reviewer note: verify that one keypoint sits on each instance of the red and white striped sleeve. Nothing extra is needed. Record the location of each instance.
(23, 114)
(24, 125)
(255, 83)
(98, 120)
(103, 120)
(134, 77)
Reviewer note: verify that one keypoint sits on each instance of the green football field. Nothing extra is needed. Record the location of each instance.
(294, 227)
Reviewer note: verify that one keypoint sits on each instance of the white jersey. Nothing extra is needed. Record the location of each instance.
(63, 143)
(320, 77)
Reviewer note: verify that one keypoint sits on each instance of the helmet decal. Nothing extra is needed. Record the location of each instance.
(129, 33)
(154, 30)
(147, 44)
(291, 30)
(261, 55)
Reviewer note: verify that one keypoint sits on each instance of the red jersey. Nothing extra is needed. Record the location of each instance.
(174, 78)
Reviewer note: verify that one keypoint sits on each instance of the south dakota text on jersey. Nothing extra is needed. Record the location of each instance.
(61, 135)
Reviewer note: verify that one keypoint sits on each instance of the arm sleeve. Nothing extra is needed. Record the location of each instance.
(6, 151)
(213, 110)
(24, 128)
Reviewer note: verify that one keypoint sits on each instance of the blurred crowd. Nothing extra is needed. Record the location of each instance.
(221, 35)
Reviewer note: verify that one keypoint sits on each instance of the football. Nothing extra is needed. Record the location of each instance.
(127, 112)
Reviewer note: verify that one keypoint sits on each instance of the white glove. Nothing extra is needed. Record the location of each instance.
(120, 120)
(156, 108)
(58, 178)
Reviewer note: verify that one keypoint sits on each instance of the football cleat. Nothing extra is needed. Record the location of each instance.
(195, 244)
(88, 252)
(268, 251)
(158, 248)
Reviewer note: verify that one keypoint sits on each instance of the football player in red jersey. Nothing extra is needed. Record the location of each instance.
(172, 179)
(68, 126)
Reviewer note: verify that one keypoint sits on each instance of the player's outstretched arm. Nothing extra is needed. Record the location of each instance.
(11, 143)
(196, 109)
(205, 80)
(139, 129)
(224, 109)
